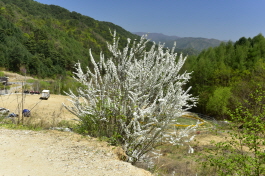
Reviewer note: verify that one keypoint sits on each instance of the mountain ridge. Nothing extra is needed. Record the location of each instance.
(196, 43)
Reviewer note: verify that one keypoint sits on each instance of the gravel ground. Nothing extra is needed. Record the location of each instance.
(55, 153)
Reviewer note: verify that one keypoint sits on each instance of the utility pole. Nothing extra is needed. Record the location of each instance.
(25, 72)
(22, 102)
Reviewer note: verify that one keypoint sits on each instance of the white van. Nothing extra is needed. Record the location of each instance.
(45, 94)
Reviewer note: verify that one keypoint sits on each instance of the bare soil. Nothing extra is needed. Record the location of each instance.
(54, 153)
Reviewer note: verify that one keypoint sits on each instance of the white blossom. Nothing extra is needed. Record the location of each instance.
(143, 91)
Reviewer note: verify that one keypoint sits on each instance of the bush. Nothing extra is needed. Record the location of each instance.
(132, 97)
(242, 153)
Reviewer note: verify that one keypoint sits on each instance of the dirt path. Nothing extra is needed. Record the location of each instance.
(54, 153)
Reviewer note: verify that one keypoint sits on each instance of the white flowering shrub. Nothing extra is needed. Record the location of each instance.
(133, 97)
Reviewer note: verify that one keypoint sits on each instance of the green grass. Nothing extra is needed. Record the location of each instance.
(19, 127)
(34, 123)
(2, 74)
(186, 121)
(30, 80)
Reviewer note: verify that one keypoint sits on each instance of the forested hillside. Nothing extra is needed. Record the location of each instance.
(226, 75)
(47, 40)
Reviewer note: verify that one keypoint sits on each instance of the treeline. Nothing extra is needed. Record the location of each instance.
(225, 75)
(47, 40)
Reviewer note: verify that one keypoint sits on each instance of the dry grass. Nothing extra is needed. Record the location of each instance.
(44, 109)
(175, 160)
(44, 113)
(14, 77)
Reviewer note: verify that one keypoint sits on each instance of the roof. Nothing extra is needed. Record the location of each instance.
(46, 91)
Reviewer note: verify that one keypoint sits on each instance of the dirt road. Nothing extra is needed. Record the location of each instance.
(54, 153)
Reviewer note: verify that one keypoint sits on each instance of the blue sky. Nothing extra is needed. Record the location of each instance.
(219, 19)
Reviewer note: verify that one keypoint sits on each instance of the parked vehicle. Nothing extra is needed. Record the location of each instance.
(34, 92)
(26, 91)
(45, 94)
(4, 111)
(12, 115)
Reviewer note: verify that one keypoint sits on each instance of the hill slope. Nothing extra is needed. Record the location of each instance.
(47, 40)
